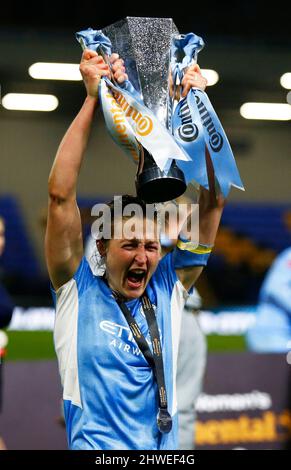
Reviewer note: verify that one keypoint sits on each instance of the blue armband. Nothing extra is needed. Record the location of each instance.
(187, 253)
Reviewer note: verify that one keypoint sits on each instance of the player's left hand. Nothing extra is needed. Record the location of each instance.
(193, 78)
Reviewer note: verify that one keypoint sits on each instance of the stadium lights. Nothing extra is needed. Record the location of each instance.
(211, 76)
(285, 81)
(266, 111)
(30, 102)
(70, 72)
(55, 71)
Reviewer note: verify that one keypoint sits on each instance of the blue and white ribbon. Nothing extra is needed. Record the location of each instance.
(186, 46)
(128, 120)
(196, 126)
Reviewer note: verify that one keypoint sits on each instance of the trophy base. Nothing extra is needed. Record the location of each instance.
(153, 185)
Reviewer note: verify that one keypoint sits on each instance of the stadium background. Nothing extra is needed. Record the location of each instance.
(249, 46)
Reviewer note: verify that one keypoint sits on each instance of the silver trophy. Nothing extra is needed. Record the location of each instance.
(145, 46)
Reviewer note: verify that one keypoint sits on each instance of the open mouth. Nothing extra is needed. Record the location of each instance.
(135, 277)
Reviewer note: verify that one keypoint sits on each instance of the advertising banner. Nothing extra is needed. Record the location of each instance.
(246, 403)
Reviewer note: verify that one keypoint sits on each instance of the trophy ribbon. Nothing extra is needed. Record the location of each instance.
(128, 120)
(196, 126)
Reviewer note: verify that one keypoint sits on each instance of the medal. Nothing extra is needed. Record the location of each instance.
(164, 420)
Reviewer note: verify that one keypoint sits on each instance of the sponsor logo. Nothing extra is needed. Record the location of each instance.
(266, 428)
(144, 124)
(121, 129)
(123, 338)
(254, 400)
(188, 131)
(215, 138)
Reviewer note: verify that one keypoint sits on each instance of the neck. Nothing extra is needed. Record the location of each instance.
(117, 295)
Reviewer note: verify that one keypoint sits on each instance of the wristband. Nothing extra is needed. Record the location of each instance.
(187, 254)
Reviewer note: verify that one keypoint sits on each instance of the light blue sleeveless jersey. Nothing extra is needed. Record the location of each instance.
(109, 391)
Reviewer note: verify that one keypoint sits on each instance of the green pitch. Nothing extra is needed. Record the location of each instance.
(38, 345)
(30, 345)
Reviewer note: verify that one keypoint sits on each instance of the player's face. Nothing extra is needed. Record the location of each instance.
(132, 259)
(2, 237)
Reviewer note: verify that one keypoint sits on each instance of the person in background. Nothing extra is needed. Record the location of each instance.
(272, 330)
(6, 304)
(6, 311)
(192, 358)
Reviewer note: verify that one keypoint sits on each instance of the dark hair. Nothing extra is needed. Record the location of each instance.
(127, 199)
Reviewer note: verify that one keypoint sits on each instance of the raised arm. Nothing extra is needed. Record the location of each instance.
(63, 241)
(210, 211)
(188, 264)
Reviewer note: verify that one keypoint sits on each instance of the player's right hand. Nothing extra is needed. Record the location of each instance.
(92, 68)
